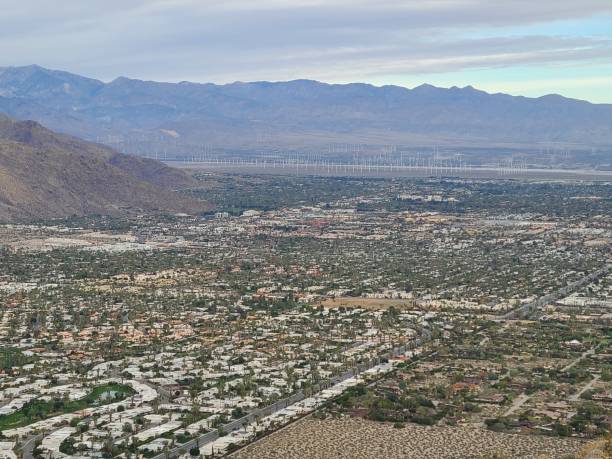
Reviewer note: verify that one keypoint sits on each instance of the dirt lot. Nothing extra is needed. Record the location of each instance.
(372, 304)
(359, 439)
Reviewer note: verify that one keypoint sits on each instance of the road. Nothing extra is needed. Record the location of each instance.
(164, 395)
(517, 403)
(574, 362)
(576, 396)
(28, 447)
(259, 413)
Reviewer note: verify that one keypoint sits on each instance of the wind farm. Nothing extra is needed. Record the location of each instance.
(383, 165)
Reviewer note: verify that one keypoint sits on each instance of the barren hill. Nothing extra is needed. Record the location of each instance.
(44, 174)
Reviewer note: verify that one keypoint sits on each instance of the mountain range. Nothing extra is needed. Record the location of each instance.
(46, 175)
(146, 116)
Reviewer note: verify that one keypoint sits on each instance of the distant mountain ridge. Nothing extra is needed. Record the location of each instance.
(294, 113)
(45, 175)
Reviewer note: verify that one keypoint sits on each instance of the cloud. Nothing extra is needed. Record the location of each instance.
(334, 40)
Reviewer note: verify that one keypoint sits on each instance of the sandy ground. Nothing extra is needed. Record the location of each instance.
(365, 303)
(359, 439)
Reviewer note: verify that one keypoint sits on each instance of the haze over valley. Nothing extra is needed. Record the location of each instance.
(186, 120)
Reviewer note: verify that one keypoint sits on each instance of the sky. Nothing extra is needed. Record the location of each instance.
(521, 47)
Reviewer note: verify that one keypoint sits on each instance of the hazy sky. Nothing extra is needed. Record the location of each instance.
(529, 47)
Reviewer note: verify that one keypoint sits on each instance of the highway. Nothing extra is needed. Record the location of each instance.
(526, 309)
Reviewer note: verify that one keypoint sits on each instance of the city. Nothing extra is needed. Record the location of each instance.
(406, 302)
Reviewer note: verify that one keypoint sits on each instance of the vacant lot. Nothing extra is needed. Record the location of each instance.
(365, 303)
(356, 438)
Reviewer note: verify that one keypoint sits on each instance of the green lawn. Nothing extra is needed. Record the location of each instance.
(39, 409)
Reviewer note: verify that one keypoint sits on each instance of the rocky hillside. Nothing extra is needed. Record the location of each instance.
(44, 174)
